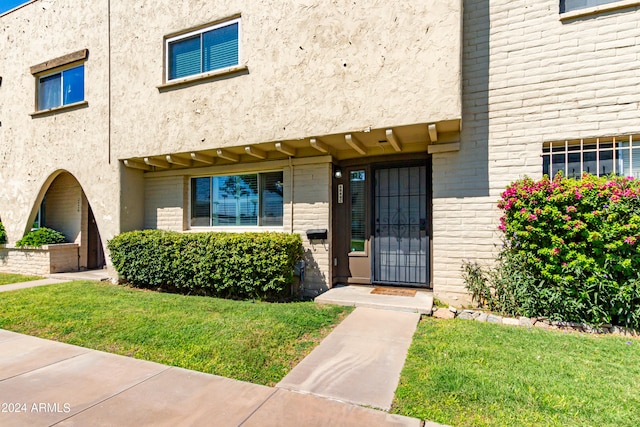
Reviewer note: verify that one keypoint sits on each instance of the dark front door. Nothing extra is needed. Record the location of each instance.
(95, 254)
(400, 226)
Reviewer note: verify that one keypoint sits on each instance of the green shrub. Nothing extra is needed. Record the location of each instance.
(570, 251)
(40, 237)
(3, 234)
(237, 265)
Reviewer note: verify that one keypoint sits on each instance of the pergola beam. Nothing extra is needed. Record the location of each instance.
(159, 163)
(285, 149)
(320, 146)
(223, 154)
(355, 144)
(136, 165)
(433, 132)
(180, 161)
(255, 152)
(202, 158)
(394, 140)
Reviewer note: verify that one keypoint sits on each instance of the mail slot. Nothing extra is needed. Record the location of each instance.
(320, 234)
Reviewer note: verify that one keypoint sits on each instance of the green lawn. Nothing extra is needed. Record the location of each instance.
(6, 279)
(250, 341)
(466, 373)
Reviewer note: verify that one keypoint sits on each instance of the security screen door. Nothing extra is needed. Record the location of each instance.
(401, 239)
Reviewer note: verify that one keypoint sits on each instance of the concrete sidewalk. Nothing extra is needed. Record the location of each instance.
(360, 361)
(31, 284)
(46, 383)
(57, 278)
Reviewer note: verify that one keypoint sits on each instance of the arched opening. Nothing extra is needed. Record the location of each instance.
(64, 207)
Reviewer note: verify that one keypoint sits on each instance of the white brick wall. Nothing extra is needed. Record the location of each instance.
(40, 261)
(311, 210)
(165, 204)
(527, 78)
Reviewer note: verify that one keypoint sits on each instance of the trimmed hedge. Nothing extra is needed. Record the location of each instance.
(229, 265)
(571, 251)
(3, 234)
(40, 237)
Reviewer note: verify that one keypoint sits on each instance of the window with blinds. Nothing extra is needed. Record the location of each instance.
(202, 51)
(600, 156)
(237, 200)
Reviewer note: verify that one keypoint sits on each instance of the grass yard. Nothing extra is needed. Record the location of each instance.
(6, 278)
(466, 373)
(250, 341)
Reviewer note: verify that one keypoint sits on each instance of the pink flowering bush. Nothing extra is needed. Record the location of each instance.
(570, 250)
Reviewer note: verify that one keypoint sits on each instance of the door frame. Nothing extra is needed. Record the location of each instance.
(341, 228)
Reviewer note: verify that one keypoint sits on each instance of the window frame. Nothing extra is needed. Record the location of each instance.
(621, 149)
(61, 71)
(55, 66)
(199, 32)
(594, 10)
(259, 176)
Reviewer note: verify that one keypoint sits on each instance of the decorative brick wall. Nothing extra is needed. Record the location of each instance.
(40, 261)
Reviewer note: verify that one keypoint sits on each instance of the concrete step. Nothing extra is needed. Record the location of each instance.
(361, 296)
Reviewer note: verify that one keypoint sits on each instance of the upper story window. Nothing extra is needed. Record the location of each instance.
(237, 200)
(213, 48)
(600, 156)
(570, 5)
(60, 82)
(61, 88)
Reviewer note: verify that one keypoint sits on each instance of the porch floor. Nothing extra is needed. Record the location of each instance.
(361, 296)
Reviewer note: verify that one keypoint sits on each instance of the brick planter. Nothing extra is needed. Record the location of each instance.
(44, 260)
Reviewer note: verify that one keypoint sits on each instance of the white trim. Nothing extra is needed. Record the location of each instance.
(236, 229)
(195, 33)
(598, 9)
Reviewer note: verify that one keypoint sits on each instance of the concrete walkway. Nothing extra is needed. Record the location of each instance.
(360, 361)
(46, 383)
(31, 284)
(57, 278)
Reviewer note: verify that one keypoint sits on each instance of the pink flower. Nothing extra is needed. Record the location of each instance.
(555, 251)
(532, 217)
(630, 240)
(571, 209)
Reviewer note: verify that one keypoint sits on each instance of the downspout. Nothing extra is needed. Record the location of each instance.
(109, 79)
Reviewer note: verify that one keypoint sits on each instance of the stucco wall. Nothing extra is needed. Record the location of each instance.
(528, 78)
(314, 68)
(35, 149)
